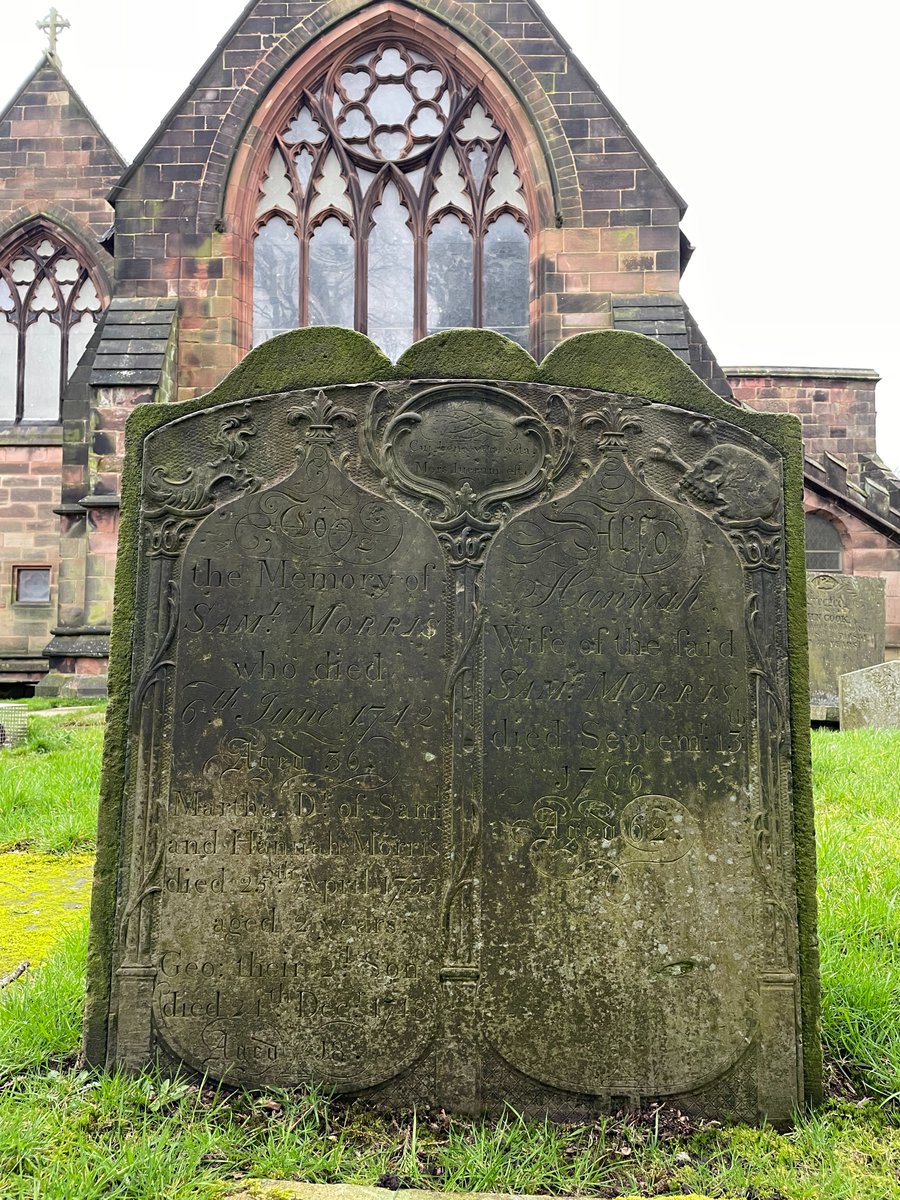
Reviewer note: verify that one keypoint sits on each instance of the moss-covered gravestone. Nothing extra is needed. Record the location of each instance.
(459, 747)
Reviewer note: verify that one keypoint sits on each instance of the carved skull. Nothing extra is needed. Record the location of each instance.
(740, 484)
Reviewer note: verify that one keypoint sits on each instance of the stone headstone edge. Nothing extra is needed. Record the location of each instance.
(892, 665)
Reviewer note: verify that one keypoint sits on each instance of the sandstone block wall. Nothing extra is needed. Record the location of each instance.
(837, 408)
(54, 159)
(55, 166)
(30, 478)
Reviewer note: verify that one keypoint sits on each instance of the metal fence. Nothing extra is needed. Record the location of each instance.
(13, 725)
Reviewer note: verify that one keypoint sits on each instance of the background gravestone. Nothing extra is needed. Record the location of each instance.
(870, 699)
(455, 755)
(846, 633)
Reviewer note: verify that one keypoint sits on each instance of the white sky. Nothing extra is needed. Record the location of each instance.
(777, 122)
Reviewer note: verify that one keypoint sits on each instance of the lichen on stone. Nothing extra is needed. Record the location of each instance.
(40, 896)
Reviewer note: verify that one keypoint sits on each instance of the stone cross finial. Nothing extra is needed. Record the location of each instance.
(52, 25)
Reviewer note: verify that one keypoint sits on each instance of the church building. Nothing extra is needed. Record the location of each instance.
(400, 167)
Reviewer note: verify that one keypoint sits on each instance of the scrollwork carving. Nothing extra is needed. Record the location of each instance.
(159, 663)
(423, 451)
(773, 733)
(176, 504)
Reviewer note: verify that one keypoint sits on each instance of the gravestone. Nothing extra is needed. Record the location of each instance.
(870, 699)
(846, 633)
(455, 756)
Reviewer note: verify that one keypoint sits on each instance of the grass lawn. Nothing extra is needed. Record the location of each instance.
(48, 786)
(67, 1134)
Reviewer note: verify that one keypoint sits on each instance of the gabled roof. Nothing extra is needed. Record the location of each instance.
(614, 112)
(49, 62)
(173, 112)
(669, 320)
(223, 42)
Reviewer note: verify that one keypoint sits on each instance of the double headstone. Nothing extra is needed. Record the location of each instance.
(456, 756)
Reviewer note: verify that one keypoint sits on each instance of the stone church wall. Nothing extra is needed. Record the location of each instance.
(606, 251)
(56, 167)
(29, 491)
(846, 482)
(608, 221)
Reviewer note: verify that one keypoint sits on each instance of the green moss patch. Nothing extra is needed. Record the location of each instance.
(467, 354)
(613, 360)
(303, 358)
(40, 896)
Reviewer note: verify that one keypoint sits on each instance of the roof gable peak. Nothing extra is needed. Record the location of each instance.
(50, 63)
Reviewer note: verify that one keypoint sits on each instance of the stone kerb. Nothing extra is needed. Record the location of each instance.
(590, 417)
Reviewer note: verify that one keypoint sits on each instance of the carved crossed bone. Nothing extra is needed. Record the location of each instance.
(739, 484)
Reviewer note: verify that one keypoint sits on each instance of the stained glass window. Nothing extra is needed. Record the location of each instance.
(49, 305)
(392, 202)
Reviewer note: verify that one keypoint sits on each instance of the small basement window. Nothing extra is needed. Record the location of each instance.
(31, 585)
(824, 548)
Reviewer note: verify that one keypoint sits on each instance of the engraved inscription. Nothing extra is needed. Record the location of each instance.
(846, 630)
(305, 844)
(618, 747)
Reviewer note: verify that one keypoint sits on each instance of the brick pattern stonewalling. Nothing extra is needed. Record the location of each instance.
(837, 408)
(54, 159)
(845, 481)
(29, 492)
(56, 165)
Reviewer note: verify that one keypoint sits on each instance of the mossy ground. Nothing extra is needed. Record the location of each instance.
(269, 1190)
(40, 896)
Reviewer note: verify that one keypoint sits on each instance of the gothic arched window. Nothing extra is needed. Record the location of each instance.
(49, 304)
(392, 203)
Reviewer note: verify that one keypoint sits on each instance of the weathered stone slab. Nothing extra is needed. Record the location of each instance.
(463, 765)
(870, 699)
(846, 633)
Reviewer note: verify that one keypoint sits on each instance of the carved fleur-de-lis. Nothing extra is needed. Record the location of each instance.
(614, 424)
(321, 416)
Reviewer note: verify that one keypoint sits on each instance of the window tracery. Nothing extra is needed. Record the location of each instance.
(50, 302)
(392, 203)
